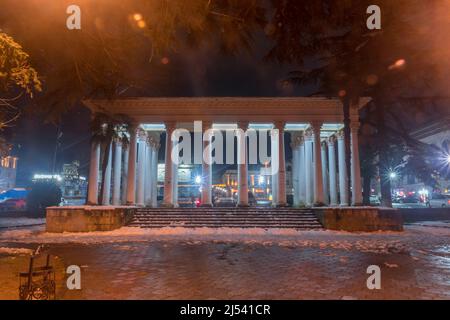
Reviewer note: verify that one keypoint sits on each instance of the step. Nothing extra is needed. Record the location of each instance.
(252, 217)
(302, 227)
(223, 216)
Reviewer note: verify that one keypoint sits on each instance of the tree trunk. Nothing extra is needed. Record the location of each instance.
(366, 188)
(385, 182)
(105, 160)
(346, 112)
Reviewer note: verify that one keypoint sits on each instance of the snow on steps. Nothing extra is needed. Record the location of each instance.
(265, 218)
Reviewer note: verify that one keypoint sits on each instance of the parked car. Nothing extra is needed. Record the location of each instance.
(408, 202)
(375, 201)
(13, 205)
(186, 202)
(225, 202)
(439, 201)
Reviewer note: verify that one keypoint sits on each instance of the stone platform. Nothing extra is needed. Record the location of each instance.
(362, 219)
(88, 218)
(106, 218)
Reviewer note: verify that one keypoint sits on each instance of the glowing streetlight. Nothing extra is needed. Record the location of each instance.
(392, 175)
(198, 179)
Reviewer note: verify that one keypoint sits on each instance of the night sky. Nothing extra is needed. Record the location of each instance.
(199, 73)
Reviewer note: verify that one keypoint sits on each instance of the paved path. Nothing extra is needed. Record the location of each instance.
(308, 265)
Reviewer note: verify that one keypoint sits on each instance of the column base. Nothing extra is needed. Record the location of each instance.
(281, 205)
(243, 205)
(319, 204)
(167, 205)
(333, 205)
(206, 205)
(357, 204)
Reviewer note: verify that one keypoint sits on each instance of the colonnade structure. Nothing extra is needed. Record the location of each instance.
(315, 126)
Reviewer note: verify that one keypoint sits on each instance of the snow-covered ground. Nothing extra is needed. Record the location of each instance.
(10, 222)
(366, 242)
(14, 251)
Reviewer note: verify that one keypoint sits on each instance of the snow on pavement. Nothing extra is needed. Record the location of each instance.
(376, 242)
(11, 222)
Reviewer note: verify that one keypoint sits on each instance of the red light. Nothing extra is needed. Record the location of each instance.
(448, 201)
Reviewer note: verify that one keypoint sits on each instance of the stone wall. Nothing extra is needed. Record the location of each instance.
(87, 218)
(360, 219)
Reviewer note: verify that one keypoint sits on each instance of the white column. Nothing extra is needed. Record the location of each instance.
(332, 170)
(131, 174)
(326, 199)
(148, 174)
(318, 183)
(154, 143)
(155, 162)
(117, 172)
(93, 174)
(175, 178)
(125, 153)
(309, 182)
(343, 184)
(301, 173)
(355, 165)
(281, 198)
(140, 179)
(295, 147)
(107, 186)
(206, 167)
(274, 165)
(168, 166)
(242, 164)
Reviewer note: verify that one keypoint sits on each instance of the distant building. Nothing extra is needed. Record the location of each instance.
(259, 182)
(8, 170)
(72, 185)
(435, 132)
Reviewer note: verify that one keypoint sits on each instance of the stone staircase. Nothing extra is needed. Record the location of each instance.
(251, 217)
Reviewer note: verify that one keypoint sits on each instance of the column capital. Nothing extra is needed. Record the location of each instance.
(170, 125)
(153, 139)
(331, 140)
(142, 134)
(243, 125)
(279, 125)
(133, 126)
(308, 134)
(316, 125)
(340, 134)
(296, 139)
(118, 141)
(207, 125)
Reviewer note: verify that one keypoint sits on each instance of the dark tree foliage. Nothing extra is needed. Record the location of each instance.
(339, 56)
(120, 42)
(106, 129)
(41, 196)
